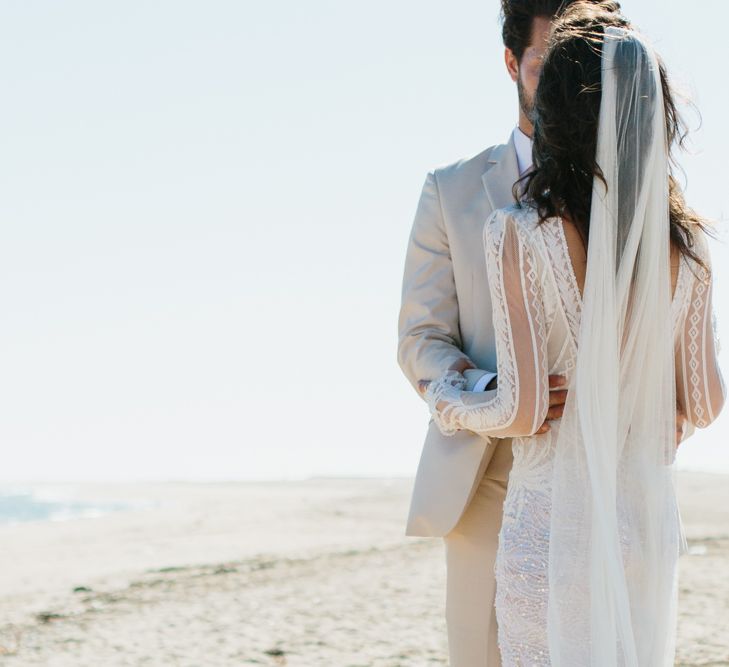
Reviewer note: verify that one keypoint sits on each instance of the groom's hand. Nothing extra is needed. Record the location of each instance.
(460, 366)
(557, 398)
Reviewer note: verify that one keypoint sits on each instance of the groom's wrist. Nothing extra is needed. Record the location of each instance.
(484, 379)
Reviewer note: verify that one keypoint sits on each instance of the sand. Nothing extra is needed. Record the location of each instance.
(304, 574)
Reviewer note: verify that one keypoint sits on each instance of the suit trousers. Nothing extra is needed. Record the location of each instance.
(470, 551)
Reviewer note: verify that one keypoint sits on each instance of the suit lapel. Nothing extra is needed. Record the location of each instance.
(501, 174)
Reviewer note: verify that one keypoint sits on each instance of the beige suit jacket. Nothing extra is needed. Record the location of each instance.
(445, 315)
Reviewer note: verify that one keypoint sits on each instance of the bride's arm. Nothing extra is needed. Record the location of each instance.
(520, 403)
(700, 388)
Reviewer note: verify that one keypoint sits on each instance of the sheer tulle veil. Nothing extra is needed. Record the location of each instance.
(615, 533)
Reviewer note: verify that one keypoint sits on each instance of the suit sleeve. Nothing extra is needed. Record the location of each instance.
(429, 338)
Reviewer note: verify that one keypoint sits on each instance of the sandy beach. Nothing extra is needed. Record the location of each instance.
(304, 574)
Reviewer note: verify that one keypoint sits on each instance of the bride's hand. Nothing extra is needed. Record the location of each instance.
(423, 386)
(460, 365)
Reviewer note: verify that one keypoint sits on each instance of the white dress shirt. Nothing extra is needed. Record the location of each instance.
(523, 145)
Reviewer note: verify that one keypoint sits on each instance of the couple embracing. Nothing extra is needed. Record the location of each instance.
(556, 318)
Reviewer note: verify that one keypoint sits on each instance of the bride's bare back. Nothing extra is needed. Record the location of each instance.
(578, 256)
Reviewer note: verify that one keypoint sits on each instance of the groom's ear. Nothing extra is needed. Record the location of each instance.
(512, 64)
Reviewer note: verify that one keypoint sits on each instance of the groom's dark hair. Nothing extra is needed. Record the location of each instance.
(517, 17)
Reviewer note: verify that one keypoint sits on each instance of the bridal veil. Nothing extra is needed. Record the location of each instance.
(615, 529)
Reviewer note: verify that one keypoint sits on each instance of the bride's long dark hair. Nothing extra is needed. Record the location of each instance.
(566, 111)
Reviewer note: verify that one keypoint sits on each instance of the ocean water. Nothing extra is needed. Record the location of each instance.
(20, 504)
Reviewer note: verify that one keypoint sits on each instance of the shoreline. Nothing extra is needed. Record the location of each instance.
(314, 572)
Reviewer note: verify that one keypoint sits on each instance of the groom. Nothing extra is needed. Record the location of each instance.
(445, 322)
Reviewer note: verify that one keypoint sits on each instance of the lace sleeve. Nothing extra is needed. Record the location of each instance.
(700, 388)
(519, 405)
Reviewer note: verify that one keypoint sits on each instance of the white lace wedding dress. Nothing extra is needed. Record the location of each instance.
(536, 305)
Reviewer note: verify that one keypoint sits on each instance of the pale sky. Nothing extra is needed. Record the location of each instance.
(205, 214)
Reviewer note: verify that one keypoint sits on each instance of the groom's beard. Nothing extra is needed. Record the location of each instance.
(526, 103)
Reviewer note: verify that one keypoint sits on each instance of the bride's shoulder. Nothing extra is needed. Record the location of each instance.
(523, 218)
(700, 242)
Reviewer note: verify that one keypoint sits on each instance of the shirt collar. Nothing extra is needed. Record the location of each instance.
(523, 145)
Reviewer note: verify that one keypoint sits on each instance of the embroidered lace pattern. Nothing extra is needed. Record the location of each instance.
(516, 274)
(700, 386)
(536, 308)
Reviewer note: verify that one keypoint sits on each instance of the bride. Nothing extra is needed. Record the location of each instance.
(603, 275)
